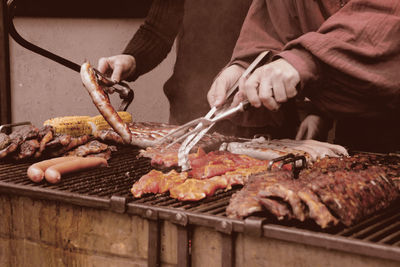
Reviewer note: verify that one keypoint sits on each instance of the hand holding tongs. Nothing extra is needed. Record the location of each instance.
(124, 91)
(204, 124)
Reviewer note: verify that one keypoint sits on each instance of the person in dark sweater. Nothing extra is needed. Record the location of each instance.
(206, 36)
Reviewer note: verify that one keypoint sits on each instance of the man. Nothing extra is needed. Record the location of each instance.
(343, 55)
(208, 31)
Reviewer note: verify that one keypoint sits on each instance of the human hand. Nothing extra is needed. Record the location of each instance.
(269, 85)
(120, 66)
(225, 80)
(312, 127)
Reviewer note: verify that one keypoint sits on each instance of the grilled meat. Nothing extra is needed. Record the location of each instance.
(287, 192)
(246, 201)
(278, 208)
(5, 140)
(74, 142)
(194, 189)
(24, 133)
(8, 150)
(270, 149)
(353, 195)
(92, 147)
(59, 141)
(220, 162)
(316, 210)
(157, 182)
(45, 135)
(27, 149)
(108, 135)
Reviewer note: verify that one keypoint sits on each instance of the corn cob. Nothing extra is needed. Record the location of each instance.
(72, 125)
(99, 123)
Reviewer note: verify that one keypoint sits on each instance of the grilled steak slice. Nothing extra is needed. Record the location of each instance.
(74, 142)
(157, 182)
(194, 189)
(93, 147)
(24, 133)
(5, 140)
(46, 134)
(27, 149)
(8, 150)
(59, 141)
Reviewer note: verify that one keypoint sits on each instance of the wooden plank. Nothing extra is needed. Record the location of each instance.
(183, 247)
(228, 252)
(154, 245)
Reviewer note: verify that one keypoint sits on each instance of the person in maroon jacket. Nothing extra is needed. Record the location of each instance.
(343, 55)
(207, 34)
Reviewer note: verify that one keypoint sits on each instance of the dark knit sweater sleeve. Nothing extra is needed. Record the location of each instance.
(155, 37)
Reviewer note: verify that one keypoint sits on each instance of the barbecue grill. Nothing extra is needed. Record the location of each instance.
(203, 232)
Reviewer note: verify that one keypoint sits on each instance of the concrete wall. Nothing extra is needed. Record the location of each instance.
(42, 89)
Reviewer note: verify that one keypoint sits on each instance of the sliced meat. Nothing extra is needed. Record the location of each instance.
(5, 140)
(8, 150)
(46, 134)
(93, 147)
(24, 133)
(157, 182)
(194, 189)
(27, 149)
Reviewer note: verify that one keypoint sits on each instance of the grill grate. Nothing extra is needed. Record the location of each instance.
(125, 168)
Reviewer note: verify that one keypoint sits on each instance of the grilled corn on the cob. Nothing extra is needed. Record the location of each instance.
(99, 123)
(81, 125)
(72, 125)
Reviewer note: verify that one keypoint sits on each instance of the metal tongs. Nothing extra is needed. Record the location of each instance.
(124, 91)
(202, 125)
(9, 126)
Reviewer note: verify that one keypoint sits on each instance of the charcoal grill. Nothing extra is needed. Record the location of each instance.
(108, 188)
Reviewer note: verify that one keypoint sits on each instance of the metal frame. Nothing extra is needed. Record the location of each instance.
(5, 88)
(184, 220)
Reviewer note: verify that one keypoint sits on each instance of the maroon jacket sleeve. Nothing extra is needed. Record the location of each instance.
(263, 29)
(355, 51)
(360, 42)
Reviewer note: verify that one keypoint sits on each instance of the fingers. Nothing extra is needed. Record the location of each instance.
(266, 93)
(117, 73)
(120, 66)
(301, 132)
(103, 66)
(217, 94)
(250, 88)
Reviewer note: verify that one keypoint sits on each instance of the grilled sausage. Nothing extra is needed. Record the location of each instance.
(54, 172)
(102, 103)
(36, 171)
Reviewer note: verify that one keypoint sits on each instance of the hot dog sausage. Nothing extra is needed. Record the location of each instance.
(53, 173)
(102, 103)
(36, 171)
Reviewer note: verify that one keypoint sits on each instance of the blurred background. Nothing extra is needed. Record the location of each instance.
(43, 89)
